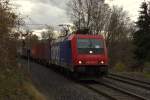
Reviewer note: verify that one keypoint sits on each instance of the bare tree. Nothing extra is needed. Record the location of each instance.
(91, 14)
(30, 39)
(8, 23)
(119, 37)
(49, 34)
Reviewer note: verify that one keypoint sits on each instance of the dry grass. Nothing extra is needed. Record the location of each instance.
(34, 92)
(147, 74)
(15, 84)
(119, 67)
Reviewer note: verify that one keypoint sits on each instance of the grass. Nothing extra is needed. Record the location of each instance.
(122, 69)
(146, 74)
(33, 91)
(16, 85)
(119, 67)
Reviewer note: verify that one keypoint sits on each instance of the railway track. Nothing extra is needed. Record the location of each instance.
(113, 92)
(100, 92)
(135, 82)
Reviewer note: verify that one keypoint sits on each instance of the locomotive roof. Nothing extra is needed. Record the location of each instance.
(85, 36)
(71, 36)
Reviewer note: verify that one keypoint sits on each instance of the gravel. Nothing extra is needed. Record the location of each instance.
(132, 88)
(57, 87)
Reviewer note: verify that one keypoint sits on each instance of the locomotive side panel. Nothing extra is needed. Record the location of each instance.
(89, 54)
(65, 54)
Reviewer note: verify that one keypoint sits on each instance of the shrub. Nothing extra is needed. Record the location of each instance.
(147, 67)
(147, 64)
(119, 67)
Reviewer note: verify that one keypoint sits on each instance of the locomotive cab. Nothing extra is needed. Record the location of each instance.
(90, 54)
(81, 54)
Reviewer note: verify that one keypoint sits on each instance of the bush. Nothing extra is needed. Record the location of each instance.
(147, 64)
(15, 84)
(119, 67)
(11, 83)
(147, 67)
(147, 74)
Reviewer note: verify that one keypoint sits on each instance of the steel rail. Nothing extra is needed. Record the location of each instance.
(100, 92)
(123, 91)
(129, 78)
(131, 82)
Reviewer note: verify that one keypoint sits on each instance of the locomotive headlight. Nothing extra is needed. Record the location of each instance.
(80, 62)
(102, 62)
(90, 52)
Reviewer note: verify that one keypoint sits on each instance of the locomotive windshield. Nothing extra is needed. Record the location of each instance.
(93, 46)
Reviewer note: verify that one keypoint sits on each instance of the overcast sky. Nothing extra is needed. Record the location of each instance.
(43, 11)
(132, 6)
(54, 11)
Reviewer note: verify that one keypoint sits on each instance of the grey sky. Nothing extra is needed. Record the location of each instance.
(132, 6)
(43, 11)
(54, 11)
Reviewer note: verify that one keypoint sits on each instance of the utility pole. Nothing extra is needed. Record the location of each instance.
(28, 50)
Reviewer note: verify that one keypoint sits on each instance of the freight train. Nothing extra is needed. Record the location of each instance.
(80, 54)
